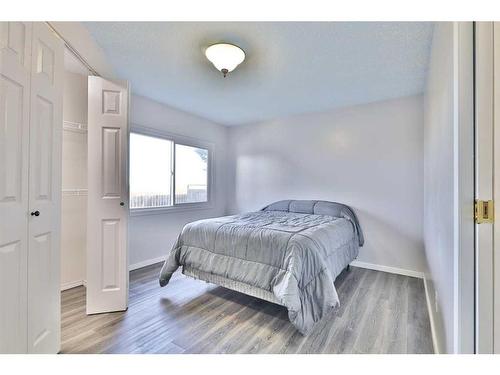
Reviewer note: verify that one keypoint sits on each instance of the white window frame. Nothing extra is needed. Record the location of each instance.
(186, 141)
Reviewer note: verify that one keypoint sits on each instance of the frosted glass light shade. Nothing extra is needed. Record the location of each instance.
(225, 57)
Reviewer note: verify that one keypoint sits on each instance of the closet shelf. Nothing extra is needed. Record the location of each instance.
(74, 127)
(73, 192)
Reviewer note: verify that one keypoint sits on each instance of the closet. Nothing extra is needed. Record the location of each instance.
(31, 88)
(94, 187)
(74, 173)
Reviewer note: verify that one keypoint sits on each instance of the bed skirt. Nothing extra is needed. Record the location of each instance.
(231, 284)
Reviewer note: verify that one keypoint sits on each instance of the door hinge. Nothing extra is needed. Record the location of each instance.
(483, 211)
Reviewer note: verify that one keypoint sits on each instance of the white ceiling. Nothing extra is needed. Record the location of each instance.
(291, 67)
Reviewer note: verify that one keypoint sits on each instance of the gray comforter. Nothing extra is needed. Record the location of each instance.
(295, 256)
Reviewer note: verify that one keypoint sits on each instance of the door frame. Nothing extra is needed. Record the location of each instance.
(464, 273)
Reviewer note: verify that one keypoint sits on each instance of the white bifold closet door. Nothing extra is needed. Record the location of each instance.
(31, 73)
(15, 71)
(107, 214)
(47, 69)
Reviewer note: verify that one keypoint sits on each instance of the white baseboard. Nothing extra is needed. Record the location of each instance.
(405, 272)
(145, 263)
(378, 267)
(72, 284)
(431, 318)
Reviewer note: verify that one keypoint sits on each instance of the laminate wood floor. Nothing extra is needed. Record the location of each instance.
(379, 313)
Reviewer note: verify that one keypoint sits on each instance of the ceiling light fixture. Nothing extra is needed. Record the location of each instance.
(225, 57)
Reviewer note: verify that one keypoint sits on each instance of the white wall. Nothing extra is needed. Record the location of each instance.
(74, 176)
(439, 180)
(152, 236)
(367, 156)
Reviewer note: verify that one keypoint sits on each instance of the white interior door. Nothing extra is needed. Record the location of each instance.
(488, 186)
(107, 242)
(15, 57)
(47, 68)
(496, 173)
(484, 184)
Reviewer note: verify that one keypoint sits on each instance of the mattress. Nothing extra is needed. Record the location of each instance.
(289, 258)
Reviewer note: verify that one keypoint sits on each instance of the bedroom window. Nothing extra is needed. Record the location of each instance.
(191, 167)
(166, 172)
(150, 171)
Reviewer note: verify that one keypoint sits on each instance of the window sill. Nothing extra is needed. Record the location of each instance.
(171, 209)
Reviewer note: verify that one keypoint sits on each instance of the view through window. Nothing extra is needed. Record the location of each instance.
(190, 174)
(152, 173)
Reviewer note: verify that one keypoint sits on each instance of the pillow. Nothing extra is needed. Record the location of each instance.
(333, 209)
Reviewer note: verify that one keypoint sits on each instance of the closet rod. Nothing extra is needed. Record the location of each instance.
(74, 51)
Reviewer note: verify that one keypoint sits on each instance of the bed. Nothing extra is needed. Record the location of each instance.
(288, 253)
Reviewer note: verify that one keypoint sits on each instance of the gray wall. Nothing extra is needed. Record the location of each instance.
(368, 156)
(438, 182)
(152, 236)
